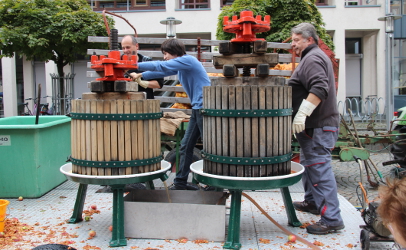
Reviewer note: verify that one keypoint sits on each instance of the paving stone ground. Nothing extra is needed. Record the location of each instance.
(348, 176)
(348, 173)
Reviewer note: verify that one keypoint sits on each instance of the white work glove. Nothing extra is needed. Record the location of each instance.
(306, 109)
(142, 83)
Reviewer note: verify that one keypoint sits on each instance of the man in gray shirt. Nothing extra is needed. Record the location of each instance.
(315, 125)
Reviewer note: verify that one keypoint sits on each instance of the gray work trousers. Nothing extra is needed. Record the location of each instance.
(318, 178)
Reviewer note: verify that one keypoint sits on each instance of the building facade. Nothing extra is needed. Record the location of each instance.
(360, 41)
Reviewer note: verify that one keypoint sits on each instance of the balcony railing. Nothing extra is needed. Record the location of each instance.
(194, 4)
(348, 3)
(360, 2)
(127, 4)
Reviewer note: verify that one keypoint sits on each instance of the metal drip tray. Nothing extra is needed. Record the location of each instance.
(194, 215)
(247, 183)
(114, 179)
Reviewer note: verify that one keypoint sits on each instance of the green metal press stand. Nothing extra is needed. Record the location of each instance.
(117, 184)
(237, 184)
(118, 238)
(233, 234)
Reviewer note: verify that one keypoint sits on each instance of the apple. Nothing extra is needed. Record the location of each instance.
(111, 228)
(20, 198)
(94, 207)
(2, 235)
(292, 238)
(87, 218)
(92, 233)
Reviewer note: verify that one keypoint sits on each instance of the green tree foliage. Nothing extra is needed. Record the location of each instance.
(46, 30)
(285, 14)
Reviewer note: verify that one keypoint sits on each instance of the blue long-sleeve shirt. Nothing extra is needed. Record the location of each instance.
(191, 73)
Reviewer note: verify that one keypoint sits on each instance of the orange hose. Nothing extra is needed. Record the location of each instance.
(364, 193)
(287, 232)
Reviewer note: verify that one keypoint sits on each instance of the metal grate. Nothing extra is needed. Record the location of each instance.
(62, 93)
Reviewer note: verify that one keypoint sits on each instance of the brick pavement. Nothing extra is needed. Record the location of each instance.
(348, 175)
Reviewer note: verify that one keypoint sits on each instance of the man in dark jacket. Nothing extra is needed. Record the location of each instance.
(315, 125)
(130, 45)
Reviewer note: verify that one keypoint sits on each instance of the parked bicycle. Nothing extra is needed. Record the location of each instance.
(27, 110)
(44, 108)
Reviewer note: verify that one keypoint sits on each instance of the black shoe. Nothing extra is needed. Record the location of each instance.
(175, 187)
(187, 187)
(209, 188)
(134, 186)
(192, 187)
(322, 228)
(306, 206)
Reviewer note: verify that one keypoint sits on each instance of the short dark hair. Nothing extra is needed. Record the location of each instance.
(173, 47)
(306, 30)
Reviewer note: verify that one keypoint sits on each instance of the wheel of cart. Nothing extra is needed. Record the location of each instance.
(373, 230)
(368, 234)
(364, 239)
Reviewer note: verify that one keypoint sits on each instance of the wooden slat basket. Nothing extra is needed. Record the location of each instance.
(247, 129)
(115, 137)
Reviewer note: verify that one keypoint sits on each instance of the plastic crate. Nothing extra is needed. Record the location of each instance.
(31, 154)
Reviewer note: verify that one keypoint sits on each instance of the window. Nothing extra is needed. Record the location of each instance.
(226, 2)
(92, 4)
(140, 2)
(321, 2)
(353, 46)
(403, 7)
(351, 2)
(399, 69)
(395, 7)
(121, 4)
(155, 3)
(126, 4)
(106, 4)
(194, 4)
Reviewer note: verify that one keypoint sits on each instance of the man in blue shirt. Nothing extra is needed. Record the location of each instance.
(193, 78)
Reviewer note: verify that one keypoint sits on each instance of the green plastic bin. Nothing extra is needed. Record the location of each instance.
(31, 155)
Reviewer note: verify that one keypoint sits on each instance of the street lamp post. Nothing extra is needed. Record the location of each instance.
(389, 19)
(170, 23)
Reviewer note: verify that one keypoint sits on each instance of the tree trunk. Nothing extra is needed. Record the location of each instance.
(62, 90)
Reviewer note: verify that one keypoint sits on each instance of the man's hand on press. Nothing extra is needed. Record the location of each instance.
(306, 109)
(134, 76)
(137, 78)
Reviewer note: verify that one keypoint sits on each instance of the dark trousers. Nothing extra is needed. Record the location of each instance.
(193, 132)
(318, 178)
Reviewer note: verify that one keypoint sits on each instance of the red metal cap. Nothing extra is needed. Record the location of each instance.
(246, 26)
